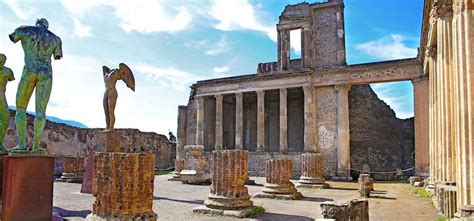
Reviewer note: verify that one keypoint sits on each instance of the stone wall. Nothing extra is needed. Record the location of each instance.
(326, 119)
(62, 140)
(379, 140)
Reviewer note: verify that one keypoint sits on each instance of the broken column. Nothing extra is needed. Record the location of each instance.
(196, 166)
(278, 185)
(123, 186)
(365, 185)
(312, 171)
(73, 170)
(229, 196)
(354, 210)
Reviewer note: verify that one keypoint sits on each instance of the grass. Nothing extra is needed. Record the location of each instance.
(257, 210)
(441, 218)
(422, 192)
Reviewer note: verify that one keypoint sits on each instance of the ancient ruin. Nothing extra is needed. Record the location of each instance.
(312, 171)
(278, 173)
(196, 166)
(229, 196)
(353, 210)
(366, 184)
(73, 170)
(294, 106)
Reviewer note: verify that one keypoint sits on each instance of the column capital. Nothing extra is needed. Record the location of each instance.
(441, 9)
(219, 97)
(283, 90)
(307, 88)
(342, 87)
(431, 52)
(239, 95)
(460, 6)
(260, 93)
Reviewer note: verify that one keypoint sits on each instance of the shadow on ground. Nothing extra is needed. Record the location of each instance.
(316, 199)
(71, 213)
(282, 217)
(197, 202)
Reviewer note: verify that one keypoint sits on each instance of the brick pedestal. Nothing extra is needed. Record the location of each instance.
(312, 171)
(196, 166)
(27, 188)
(229, 196)
(123, 186)
(365, 185)
(278, 185)
(73, 170)
(178, 167)
(88, 174)
(108, 142)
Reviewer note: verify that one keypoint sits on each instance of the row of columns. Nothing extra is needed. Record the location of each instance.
(310, 123)
(450, 64)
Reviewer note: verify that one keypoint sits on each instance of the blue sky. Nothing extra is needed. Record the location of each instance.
(171, 44)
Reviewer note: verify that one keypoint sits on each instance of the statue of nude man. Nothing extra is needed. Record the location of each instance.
(6, 75)
(39, 44)
(111, 76)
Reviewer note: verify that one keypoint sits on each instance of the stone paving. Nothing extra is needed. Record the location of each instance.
(175, 201)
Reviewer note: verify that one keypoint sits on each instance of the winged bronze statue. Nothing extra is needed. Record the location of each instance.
(111, 76)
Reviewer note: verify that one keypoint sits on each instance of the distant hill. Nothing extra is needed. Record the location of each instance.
(57, 119)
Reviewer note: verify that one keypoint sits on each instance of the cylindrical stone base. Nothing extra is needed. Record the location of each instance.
(228, 175)
(73, 170)
(312, 169)
(365, 185)
(123, 186)
(178, 167)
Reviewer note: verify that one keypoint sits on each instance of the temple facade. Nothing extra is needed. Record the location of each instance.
(293, 106)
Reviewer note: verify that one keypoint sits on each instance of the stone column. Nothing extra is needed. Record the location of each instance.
(463, 45)
(219, 134)
(283, 49)
(309, 119)
(343, 137)
(239, 121)
(182, 122)
(421, 102)
(261, 120)
(283, 120)
(312, 171)
(123, 186)
(365, 185)
(278, 173)
(228, 196)
(199, 120)
(73, 170)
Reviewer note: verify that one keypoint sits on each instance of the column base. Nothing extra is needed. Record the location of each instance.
(313, 186)
(250, 182)
(193, 177)
(342, 178)
(176, 176)
(239, 213)
(147, 217)
(70, 178)
(228, 203)
(293, 196)
(29, 183)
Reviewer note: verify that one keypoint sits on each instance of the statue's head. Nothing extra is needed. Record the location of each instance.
(3, 59)
(42, 22)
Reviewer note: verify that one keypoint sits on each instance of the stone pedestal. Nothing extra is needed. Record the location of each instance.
(365, 185)
(354, 210)
(196, 166)
(123, 186)
(73, 170)
(88, 174)
(278, 185)
(27, 188)
(312, 171)
(228, 196)
(2, 161)
(414, 179)
(108, 142)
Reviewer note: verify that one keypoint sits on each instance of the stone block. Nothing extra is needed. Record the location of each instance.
(27, 188)
(353, 210)
(365, 185)
(88, 174)
(414, 179)
(418, 184)
(196, 166)
(109, 142)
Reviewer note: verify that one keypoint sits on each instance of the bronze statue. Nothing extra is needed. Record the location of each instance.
(39, 44)
(110, 96)
(6, 75)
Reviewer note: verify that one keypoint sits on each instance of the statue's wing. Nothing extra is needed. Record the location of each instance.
(105, 70)
(127, 76)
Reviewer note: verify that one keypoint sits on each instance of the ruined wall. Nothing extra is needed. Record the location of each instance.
(325, 41)
(379, 140)
(62, 140)
(326, 120)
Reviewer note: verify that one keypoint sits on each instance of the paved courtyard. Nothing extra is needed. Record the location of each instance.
(175, 201)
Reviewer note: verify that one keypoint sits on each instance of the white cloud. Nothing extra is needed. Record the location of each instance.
(143, 16)
(238, 15)
(22, 8)
(178, 79)
(80, 29)
(295, 40)
(221, 47)
(391, 47)
(220, 70)
(397, 98)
